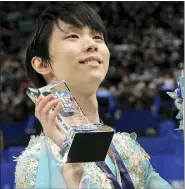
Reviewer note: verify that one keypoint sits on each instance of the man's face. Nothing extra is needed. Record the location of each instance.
(78, 56)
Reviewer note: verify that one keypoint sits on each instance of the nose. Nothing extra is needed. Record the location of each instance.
(91, 46)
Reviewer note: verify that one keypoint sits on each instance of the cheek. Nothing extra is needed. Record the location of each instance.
(106, 55)
(66, 50)
(66, 55)
(65, 63)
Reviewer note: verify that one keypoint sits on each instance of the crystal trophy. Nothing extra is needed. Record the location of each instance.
(84, 141)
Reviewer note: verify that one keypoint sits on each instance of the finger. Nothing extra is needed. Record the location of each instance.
(53, 116)
(39, 99)
(50, 105)
(42, 104)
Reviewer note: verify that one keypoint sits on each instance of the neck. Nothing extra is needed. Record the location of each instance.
(89, 105)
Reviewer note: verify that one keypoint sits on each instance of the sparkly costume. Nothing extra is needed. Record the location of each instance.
(39, 166)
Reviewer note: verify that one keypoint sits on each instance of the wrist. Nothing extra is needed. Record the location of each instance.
(57, 138)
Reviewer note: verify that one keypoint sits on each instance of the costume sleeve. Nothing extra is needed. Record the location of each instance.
(26, 169)
(37, 168)
(153, 179)
(137, 163)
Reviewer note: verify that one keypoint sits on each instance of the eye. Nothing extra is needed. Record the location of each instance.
(73, 36)
(98, 37)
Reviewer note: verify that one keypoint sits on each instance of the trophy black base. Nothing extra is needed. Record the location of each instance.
(89, 147)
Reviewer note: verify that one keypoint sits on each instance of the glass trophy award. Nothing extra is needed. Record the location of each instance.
(84, 141)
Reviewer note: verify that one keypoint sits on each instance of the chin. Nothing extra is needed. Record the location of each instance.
(96, 76)
(95, 79)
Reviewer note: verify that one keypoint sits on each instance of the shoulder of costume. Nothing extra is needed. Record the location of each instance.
(127, 145)
(33, 148)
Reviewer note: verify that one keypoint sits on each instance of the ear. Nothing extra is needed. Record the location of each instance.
(40, 66)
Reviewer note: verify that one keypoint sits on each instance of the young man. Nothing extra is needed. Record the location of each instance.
(69, 43)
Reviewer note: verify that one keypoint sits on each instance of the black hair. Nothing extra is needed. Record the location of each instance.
(77, 14)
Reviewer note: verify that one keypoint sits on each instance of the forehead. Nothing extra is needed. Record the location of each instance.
(64, 27)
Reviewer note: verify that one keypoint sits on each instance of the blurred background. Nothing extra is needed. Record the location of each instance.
(146, 41)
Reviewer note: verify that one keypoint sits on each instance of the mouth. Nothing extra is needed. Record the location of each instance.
(91, 60)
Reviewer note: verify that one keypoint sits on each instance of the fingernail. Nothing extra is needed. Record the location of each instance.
(50, 96)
